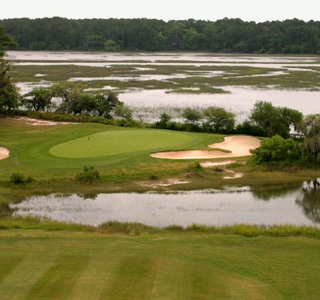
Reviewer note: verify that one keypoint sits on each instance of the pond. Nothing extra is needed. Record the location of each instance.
(295, 206)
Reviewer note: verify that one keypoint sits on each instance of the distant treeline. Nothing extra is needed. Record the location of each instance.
(225, 35)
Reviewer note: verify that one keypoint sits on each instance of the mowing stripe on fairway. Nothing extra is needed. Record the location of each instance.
(120, 142)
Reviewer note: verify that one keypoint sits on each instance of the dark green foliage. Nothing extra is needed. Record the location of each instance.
(8, 91)
(226, 35)
(275, 120)
(89, 175)
(276, 150)
(20, 179)
(192, 117)
(39, 99)
(249, 128)
(218, 120)
(194, 166)
(310, 127)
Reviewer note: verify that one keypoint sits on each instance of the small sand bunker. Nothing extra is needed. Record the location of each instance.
(168, 182)
(237, 145)
(209, 164)
(36, 122)
(4, 153)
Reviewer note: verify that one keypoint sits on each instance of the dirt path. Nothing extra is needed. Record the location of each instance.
(238, 145)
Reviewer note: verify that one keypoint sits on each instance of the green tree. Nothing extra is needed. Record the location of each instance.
(9, 96)
(219, 120)
(310, 127)
(125, 113)
(5, 42)
(82, 104)
(192, 117)
(69, 93)
(93, 42)
(106, 103)
(275, 150)
(164, 120)
(111, 46)
(274, 120)
(39, 99)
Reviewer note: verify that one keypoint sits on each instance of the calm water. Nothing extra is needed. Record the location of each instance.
(297, 206)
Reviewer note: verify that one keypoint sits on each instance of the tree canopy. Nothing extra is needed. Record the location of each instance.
(8, 90)
(226, 35)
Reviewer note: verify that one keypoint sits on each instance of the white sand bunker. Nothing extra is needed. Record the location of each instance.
(36, 122)
(238, 145)
(4, 153)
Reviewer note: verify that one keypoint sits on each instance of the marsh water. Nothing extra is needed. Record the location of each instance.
(148, 103)
(295, 205)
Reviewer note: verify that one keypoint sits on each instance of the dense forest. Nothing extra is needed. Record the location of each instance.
(226, 35)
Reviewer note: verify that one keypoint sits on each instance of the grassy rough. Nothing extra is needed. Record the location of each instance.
(77, 265)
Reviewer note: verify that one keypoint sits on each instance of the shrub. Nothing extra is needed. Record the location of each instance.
(194, 166)
(20, 179)
(276, 150)
(89, 174)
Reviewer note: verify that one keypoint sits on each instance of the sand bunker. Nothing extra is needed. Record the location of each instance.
(4, 153)
(237, 145)
(36, 122)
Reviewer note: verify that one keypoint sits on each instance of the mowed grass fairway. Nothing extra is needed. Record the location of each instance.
(111, 143)
(37, 264)
(61, 151)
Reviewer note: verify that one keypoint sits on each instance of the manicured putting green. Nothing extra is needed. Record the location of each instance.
(117, 142)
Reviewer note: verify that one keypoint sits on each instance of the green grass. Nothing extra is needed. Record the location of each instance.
(122, 142)
(76, 265)
(46, 151)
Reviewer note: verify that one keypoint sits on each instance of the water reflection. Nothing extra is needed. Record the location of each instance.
(218, 208)
(309, 200)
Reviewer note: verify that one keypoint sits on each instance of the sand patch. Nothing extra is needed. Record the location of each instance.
(168, 182)
(36, 122)
(233, 175)
(237, 145)
(209, 164)
(4, 153)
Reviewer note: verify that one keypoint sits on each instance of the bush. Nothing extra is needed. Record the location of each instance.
(276, 150)
(89, 174)
(20, 179)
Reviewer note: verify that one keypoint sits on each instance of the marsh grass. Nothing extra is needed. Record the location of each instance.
(196, 78)
(129, 228)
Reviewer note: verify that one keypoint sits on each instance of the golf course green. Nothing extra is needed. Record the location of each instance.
(120, 142)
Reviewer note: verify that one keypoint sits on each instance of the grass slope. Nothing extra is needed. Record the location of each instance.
(64, 265)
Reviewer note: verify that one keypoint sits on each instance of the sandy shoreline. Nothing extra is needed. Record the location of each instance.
(237, 145)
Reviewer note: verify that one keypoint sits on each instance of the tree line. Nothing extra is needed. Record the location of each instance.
(292, 36)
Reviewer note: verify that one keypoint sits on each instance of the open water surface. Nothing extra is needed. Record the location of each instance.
(295, 206)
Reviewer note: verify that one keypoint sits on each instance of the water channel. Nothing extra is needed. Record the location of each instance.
(296, 206)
